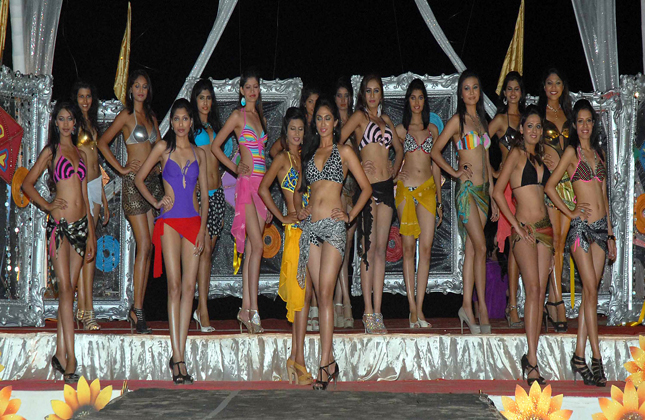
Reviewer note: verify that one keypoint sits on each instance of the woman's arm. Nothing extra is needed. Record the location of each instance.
(611, 242)
(494, 209)
(263, 191)
(90, 247)
(44, 159)
(106, 209)
(139, 180)
(451, 128)
(156, 128)
(216, 147)
(104, 144)
(504, 177)
(203, 186)
(398, 148)
(356, 169)
(582, 210)
(275, 149)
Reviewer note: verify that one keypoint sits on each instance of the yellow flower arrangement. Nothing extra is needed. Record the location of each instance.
(637, 366)
(9, 407)
(628, 405)
(537, 405)
(86, 399)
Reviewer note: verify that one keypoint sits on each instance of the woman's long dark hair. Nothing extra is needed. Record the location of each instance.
(129, 103)
(518, 139)
(312, 138)
(461, 105)
(247, 74)
(416, 84)
(361, 101)
(54, 135)
(502, 108)
(565, 99)
(307, 91)
(171, 137)
(594, 140)
(93, 112)
(213, 116)
(292, 113)
(344, 83)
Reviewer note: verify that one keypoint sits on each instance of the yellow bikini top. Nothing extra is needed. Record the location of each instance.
(86, 139)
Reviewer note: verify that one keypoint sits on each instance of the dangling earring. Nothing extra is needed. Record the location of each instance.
(73, 130)
(243, 101)
(131, 96)
(57, 130)
(380, 110)
(505, 101)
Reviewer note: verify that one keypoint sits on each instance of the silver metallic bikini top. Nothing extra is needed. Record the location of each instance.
(140, 133)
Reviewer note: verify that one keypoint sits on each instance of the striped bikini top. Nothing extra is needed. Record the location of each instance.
(410, 144)
(290, 179)
(373, 134)
(65, 168)
(585, 173)
(472, 139)
(249, 139)
(332, 169)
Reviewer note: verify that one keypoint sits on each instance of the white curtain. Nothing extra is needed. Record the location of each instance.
(224, 12)
(597, 25)
(40, 25)
(440, 37)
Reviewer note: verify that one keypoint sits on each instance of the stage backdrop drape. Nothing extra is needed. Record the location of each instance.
(40, 26)
(597, 25)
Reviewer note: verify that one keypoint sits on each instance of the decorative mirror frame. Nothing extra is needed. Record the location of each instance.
(436, 86)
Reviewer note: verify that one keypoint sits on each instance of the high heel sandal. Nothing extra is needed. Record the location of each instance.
(302, 378)
(187, 378)
(178, 379)
(199, 324)
(369, 322)
(312, 319)
(413, 324)
(321, 385)
(348, 320)
(247, 324)
(89, 321)
(378, 317)
(527, 368)
(339, 321)
(80, 315)
(57, 366)
(511, 324)
(598, 372)
(140, 322)
(71, 378)
(256, 322)
(579, 365)
(474, 329)
(556, 325)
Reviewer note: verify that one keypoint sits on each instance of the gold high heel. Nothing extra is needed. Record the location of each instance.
(293, 369)
(80, 314)
(255, 321)
(247, 324)
(89, 322)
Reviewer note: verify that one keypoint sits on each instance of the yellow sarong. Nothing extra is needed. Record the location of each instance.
(424, 194)
(289, 289)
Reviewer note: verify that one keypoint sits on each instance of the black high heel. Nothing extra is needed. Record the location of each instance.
(57, 366)
(71, 378)
(321, 385)
(178, 379)
(598, 372)
(187, 378)
(559, 327)
(140, 322)
(527, 368)
(579, 365)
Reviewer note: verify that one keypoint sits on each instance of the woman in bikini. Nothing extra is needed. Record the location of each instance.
(206, 126)
(555, 104)
(532, 234)
(286, 167)
(322, 243)
(591, 238)
(139, 126)
(418, 200)
(468, 130)
(69, 234)
(375, 129)
(343, 316)
(251, 214)
(179, 231)
(84, 95)
(509, 112)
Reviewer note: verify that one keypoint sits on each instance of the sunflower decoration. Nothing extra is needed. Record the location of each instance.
(1, 366)
(637, 366)
(628, 405)
(9, 407)
(537, 405)
(85, 400)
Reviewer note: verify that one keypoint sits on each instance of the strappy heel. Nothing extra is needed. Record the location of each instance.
(378, 317)
(247, 324)
(321, 385)
(369, 322)
(71, 378)
(57, 366)
(598, 372)
(557, 326)
(298, 373)
(140, 322)
(187, 378)
(89, 322)
(256, 322)
(198, 321)
(511, 324)
(80, 315)
(313, 323)
(579, 365)
(474, 329)
(348, 320)
(527, 368)
(178, 379)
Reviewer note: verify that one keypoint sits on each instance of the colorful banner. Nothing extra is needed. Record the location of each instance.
(514, 60)
(121, 79)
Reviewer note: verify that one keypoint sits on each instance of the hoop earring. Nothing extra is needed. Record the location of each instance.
(243, 101)
(380, 110)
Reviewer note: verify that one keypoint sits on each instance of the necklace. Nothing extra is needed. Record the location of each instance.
(207, 125)
(477, 121)
(555, 111)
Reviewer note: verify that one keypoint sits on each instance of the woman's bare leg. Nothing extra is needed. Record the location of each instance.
(427, 224)
(382, 224)
(475, 260)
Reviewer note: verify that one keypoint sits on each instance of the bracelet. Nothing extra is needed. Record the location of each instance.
(611, 237)
(439, 206)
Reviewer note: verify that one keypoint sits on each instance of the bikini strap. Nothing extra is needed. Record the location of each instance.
(289, 155)
(134, 111)
(194, 155)
(244, 113)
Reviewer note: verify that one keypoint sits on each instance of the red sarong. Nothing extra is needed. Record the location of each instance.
(187, 227)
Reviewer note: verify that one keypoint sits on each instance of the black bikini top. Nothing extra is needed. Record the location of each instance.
(530, 175)
(505, 140)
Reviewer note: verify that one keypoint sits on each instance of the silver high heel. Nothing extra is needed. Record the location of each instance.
(199, 324)
(474, 329)
(413, 324)
(255, 321)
